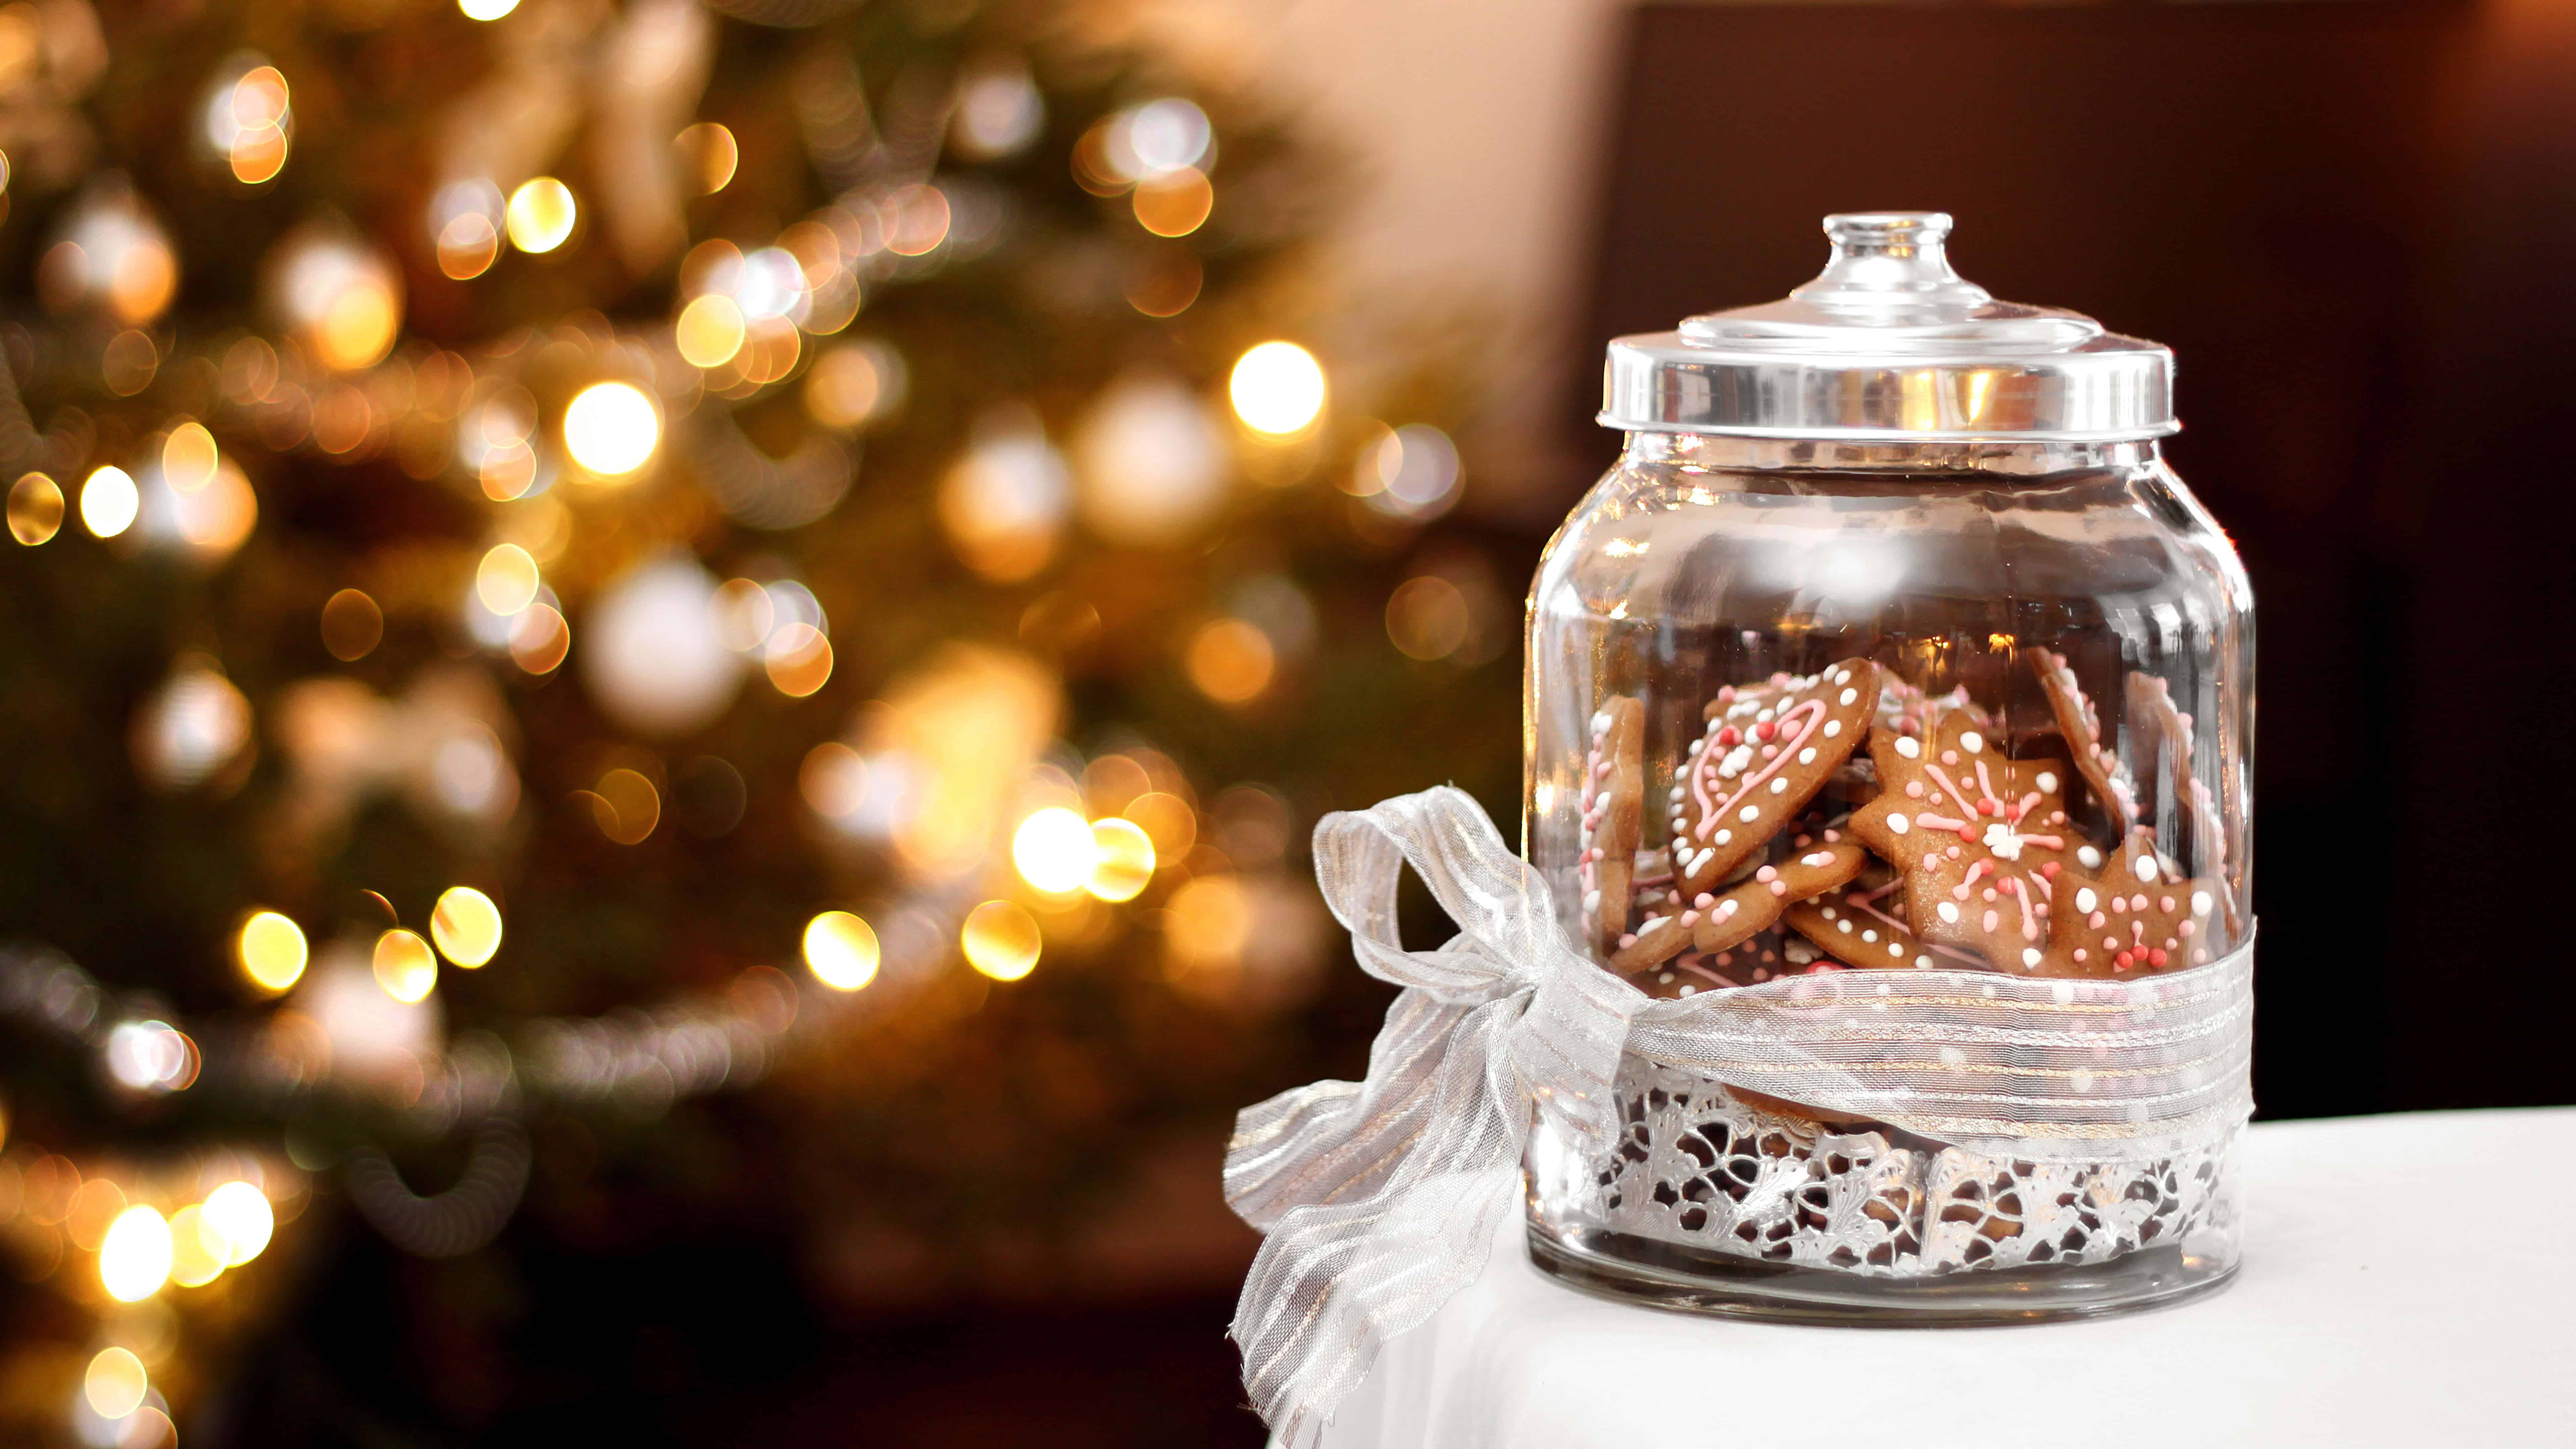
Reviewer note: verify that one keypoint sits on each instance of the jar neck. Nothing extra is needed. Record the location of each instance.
(1726, 451)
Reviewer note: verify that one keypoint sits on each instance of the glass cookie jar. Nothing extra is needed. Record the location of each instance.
(1892, 664)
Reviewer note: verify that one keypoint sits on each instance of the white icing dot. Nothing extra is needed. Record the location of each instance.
(1807, 756)
(1690, 991)
(1899, 824)
(2047, 782)
(1842, 676)
(1906, 746)
(1869, 935)
(1780, 786)
(2030, 956)
(1833, 727)
(1924, 963)
(2145, 866)
(1844, 927)
(1972, 742)
(2088, 856)
(1847, 696)
(1749, 814)
(2200, 903)
(1948, 912)
(1723, 837)
(2085, 900)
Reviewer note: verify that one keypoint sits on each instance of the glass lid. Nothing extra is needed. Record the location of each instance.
(1890, 344)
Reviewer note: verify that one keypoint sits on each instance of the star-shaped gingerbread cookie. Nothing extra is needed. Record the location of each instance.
(1767, 751)
(2139, 917)
(1981, 839)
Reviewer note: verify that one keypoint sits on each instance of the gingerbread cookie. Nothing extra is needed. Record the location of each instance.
(2139, 917)
(1981, 839)
(2081, 723)
(1614, 798)
(2152, 712)
(1863, 927)
(1766, 752)
(1766, 955)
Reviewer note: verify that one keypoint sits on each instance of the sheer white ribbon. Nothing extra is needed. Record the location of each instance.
(1358, 1185)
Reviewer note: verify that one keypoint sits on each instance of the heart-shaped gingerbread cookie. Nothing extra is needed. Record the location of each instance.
(1766, 752)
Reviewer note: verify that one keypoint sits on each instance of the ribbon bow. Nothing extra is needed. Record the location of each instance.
(1377, 1197)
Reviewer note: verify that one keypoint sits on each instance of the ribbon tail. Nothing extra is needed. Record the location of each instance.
(1334, 1280)
(1380, 1198)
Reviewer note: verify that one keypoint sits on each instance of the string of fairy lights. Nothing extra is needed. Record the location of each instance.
(1010, 839)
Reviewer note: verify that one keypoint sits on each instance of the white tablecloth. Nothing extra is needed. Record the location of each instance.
(2409, 1281)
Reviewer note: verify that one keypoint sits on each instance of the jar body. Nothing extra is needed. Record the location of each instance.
(2071, 615)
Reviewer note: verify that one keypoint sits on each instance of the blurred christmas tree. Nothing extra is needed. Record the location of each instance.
(580, 554)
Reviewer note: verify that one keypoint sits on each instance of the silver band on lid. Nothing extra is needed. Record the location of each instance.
(1889, 344)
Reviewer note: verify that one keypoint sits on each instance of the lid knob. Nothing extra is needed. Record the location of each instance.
(1891, 262)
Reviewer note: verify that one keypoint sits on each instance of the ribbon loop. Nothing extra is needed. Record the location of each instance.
(1368, 1191)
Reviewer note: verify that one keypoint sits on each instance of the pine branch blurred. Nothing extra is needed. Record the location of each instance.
(677, 473)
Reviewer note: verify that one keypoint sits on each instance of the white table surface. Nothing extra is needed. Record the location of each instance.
(2409, 1280)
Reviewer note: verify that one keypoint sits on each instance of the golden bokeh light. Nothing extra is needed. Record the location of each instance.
(707, 155)
(798, 659)
(357, 326)
(188, 457)
(1122, 861)
(466, 926)
(467, 246)
(271, 950)
(854, 384)
(1427, 617)
(841, 950)
(1210, 921)
(1167, 820)
(541, 213)
(128, 363)
(35, 509)
(1175, 203)
(506, 580)
(1278, 388)
(197, 1254)
(252, 124)
(352, 625)
(239, 1216)
(93, 1210)
(486, 9)
(1001, 939)
(709, 331)
(1164, 283)
(134, 1258)
(215, 519)
(404, 966)
(1231, 660)
(1054, 851)
(626, 806)
(540, 639)
(612, 428)
(108, 502)
(115, 1383)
